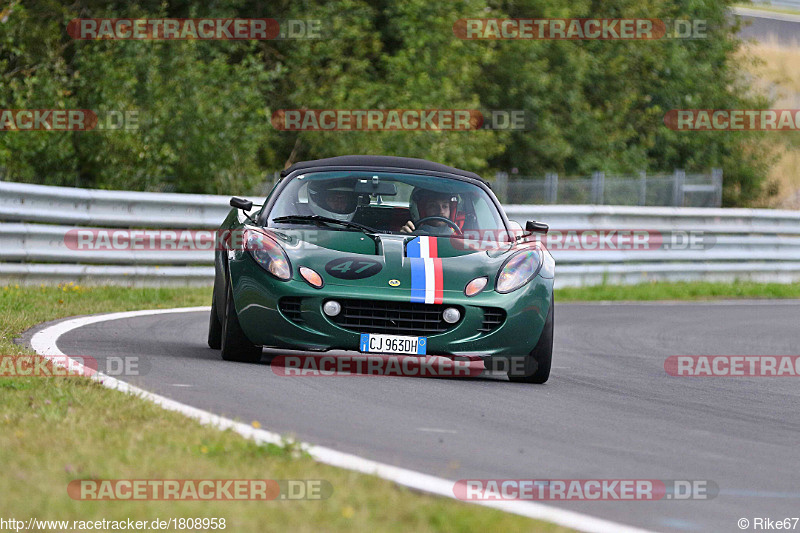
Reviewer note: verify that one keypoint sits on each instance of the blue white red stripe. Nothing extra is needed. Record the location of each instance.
(427, 284)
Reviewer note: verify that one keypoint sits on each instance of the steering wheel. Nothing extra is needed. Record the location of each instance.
(443, 219)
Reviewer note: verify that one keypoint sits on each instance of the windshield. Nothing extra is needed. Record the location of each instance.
(385, 203)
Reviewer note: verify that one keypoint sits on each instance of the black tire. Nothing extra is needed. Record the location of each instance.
(537, 363)
(234, 344)
(214, 325)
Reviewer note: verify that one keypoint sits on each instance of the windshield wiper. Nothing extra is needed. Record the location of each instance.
(301, 219)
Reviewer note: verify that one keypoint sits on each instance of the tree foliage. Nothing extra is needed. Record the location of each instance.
(204, 107)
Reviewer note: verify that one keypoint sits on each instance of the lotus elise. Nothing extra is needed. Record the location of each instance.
(384, 255)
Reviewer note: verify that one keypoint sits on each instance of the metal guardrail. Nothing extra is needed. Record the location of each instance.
(678, 189)
(714, 220)
(43, 243)
(756, 244)
(128, 275)
(67, 205)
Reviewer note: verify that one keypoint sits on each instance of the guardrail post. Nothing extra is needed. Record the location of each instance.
(716, 180)
(501, 186)
(642, 187)
(598, 183)
(677, 187)
(551, 187)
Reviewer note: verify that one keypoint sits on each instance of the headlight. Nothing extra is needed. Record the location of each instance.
(518, 270)
(268, 254)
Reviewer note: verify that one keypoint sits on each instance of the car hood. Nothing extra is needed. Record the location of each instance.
(391, 261)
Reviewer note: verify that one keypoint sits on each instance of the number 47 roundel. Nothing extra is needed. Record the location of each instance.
(353, 267)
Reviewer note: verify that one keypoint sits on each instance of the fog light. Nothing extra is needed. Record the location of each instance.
(332, 308)
(451, 315)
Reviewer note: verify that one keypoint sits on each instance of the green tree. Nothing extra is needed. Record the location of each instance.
(204, 106)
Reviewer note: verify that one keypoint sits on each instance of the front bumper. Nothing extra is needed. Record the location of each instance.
(256, 297)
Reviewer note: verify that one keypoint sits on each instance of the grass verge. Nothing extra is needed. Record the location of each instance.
(55, 430)
(678, 291)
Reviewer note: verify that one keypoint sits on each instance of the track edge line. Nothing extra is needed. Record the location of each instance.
(44, 343)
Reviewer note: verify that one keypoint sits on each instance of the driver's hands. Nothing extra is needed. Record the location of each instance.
(408, 227)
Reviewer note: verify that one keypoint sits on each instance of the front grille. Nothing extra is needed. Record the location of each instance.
(290, 307)
(398, 318)
(493, 318)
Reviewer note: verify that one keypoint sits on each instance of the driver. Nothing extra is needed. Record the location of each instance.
(333, 199)
(427, 203)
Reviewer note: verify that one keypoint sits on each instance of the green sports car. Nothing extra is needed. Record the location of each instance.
(384, 255)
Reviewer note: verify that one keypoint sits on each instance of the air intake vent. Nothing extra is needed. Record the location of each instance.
(493, 318)
(393, 318)
(290, 307)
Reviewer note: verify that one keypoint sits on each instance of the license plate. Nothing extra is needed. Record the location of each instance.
(373, 343)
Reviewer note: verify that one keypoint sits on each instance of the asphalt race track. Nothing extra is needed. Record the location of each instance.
(609, 411)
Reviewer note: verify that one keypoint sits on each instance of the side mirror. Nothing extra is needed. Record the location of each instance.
(241, 203)
(532, 226)
(244, 205)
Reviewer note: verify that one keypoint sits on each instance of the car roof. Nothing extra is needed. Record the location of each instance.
(382, 161)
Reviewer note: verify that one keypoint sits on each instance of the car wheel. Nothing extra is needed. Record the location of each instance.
(537, 363)
(234, 344)
(214, 326)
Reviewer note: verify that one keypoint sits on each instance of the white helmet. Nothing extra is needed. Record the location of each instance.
(333, 199)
